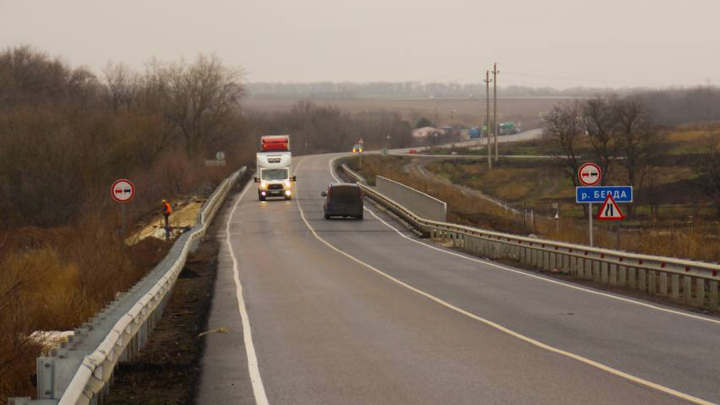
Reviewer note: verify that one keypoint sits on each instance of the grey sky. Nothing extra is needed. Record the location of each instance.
(557, 43)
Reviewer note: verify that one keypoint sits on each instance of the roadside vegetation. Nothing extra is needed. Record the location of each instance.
(675, 172)
(65, 134)
(322, 128)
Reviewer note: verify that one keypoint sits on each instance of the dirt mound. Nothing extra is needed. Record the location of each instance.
(184, 216)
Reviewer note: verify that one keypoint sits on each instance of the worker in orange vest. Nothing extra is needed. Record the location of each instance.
(166, 211)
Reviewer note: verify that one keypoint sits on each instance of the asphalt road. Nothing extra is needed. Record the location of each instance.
(357, 312)
(528, 135)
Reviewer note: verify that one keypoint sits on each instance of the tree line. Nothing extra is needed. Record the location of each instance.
(411, 89)
(316, 128)
(66, 133)
(673, 106)
(628, 139)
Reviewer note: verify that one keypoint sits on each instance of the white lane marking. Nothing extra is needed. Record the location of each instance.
(253, 369)
(527, 274)
(508, 331)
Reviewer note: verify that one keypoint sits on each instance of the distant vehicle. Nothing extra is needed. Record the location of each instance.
(474, 133)
(274, 167)
(358, 148)
(508, 128)
(412, 152)
(275, 143)
(343, 200)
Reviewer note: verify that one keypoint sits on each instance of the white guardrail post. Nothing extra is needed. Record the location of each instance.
(79, 371)
(687, 281)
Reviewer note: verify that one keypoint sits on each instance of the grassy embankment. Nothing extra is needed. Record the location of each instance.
(53, 279)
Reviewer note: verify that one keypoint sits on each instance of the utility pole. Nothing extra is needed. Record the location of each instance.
(495, 126)
(487, 117)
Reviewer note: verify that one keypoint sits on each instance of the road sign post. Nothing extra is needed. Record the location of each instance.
(122, 191)
(589, 174)
(609, 197)
(590, 228)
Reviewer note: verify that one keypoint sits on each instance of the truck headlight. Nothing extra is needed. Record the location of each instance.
(287, 184)
(263, 185)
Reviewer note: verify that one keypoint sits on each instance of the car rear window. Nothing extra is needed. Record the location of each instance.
(345, 194)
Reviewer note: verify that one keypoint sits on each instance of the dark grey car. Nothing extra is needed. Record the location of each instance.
(343, 200)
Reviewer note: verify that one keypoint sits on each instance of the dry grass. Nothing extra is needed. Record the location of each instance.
(692, 133)
(37, 291)
(664, 238)
(54, 279)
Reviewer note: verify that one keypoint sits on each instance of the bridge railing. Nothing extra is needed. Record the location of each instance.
(79, 371)
(687, 281)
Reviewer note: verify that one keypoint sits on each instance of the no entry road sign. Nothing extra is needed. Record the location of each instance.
(620, 194)
(610, 210)
(122, 190)
(589, 174)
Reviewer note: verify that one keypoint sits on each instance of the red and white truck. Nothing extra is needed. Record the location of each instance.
(274, 168)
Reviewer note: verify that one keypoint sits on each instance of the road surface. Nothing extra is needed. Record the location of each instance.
(528, 135)
(357, 312)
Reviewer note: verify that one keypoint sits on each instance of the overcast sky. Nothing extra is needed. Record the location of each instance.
(559, 43)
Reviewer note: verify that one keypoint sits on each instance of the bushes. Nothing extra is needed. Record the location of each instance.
(36, 288)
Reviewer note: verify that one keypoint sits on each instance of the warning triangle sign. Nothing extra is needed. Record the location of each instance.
(610, 210)
(361, 141)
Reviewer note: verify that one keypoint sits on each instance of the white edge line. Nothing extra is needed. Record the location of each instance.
(527, 274)
(501, 328)
(253, 369)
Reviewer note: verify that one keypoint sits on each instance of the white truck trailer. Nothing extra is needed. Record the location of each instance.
(274, 175)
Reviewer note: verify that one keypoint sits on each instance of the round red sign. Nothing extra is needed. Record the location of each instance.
(122, 190)
(589, 174)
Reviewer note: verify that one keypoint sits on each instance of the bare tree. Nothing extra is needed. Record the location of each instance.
(640, 141)
(599, 121)
(707, 167)
(121, 86)
(564, 128)
(199, 98)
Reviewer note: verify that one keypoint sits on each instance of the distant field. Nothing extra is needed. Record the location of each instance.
(466, 111)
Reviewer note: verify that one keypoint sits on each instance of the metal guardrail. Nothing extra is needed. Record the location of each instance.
(691, 282)
(79, 372)
(417, 201)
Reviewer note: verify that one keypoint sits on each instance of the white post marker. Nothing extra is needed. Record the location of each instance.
(122, 191)
(610, 211)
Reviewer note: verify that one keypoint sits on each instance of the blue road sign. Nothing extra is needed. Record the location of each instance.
(598, 194)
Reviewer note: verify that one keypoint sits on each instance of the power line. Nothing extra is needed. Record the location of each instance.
(487, 118)
(495, 126)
